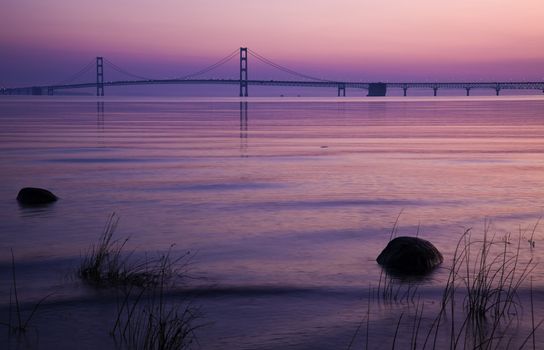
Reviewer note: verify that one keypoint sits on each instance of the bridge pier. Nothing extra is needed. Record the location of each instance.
(405, 90)
(497, 91)
(377, 89)
(341, 90)
(243, 72)
(99, 76)
(468, 91)
(435, 91)
(50, 91)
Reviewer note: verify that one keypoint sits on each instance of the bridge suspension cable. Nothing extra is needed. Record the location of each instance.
(283, 68)
(82, 71)
(122, 71)
(211, 67)
(188, 76)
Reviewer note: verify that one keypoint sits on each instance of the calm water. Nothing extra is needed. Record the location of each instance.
(285, 204)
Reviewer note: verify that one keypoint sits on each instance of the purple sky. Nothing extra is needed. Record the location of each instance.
(47, 41)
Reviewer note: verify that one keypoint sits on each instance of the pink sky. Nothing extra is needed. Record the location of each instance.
(337, 39)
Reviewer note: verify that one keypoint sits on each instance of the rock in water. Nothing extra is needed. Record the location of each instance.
(35, 196)
(410, 255)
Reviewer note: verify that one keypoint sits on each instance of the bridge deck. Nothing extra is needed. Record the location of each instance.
(317, 84)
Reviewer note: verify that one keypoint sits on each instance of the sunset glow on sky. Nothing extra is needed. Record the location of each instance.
(340, 39)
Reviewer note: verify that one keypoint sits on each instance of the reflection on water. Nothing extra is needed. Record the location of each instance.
(100, 115)
(287, 236)
(42, 211)
(243, 129)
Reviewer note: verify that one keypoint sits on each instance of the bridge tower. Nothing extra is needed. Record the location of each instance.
(243, 71)
(99, 76)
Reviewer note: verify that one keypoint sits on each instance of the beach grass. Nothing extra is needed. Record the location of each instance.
(147, 321)
(17, 323)
(145, 318)
(480, 307)
(108, 264)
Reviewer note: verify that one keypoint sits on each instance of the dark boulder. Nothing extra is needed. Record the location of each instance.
(410, 255)
(35, 196)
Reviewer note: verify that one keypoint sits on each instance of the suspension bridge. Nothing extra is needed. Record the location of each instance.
(243, 82)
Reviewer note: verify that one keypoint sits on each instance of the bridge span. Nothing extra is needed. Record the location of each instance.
(243, 83)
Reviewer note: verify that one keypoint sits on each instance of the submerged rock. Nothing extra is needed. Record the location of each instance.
(410, 255)
(35, 196)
